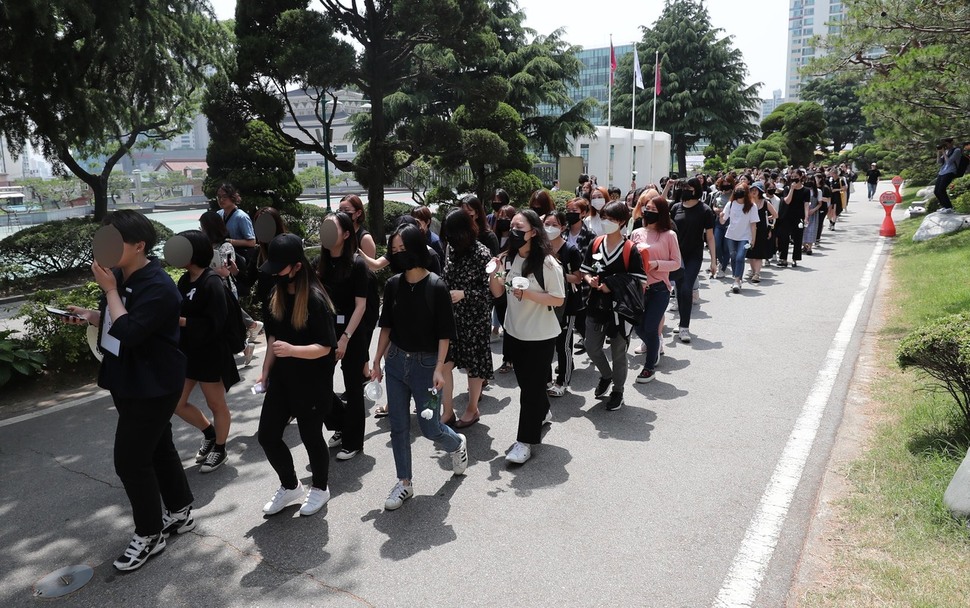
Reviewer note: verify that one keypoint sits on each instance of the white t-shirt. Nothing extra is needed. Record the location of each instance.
(529, 320)
(740, 228)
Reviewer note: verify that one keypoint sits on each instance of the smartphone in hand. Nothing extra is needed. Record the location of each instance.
(57, 312)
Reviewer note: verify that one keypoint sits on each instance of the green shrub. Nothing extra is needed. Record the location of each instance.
(519, 184)
(960, 194)
(441, 195)
(941, 350)
(56, 246)
(312, 218)
(561, 197)
(16, 358)
(392, 211)
(63, 345)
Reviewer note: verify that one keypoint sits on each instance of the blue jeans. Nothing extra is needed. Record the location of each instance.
(719, 245)
(410, 375)
(655, 300)
(736, 252)
(872, 190)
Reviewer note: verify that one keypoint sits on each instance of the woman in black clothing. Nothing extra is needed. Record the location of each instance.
(209, 362)
(417, 326)
(571, 259)
(144, 371)
(473, 207)
(354, 207)
(348, 282)
(297, 373)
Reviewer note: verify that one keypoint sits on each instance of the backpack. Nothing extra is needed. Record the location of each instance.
(559, 310)
(628, 247)
(628, 302)
(234, 332)
(962, 165)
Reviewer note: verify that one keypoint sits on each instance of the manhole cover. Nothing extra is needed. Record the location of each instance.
(63, 581)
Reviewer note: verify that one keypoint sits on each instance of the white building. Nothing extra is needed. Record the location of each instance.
(646, 152)
(305, 110)
(28, 164)
(807, 19)
(768, 105)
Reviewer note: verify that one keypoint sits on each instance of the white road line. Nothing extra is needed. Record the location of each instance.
(74, 403)
(741, 585)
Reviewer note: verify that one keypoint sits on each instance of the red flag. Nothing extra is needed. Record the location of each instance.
(656, 79)
(612, 61)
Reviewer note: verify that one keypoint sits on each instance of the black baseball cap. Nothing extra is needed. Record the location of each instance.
(284, 250)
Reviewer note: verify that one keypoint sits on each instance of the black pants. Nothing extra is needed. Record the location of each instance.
(147, 462)
(564, 351)
(355, 412)
(820, 224)
(788, 231)
(939, 191)
(278, 406)
(685, 286)
(531, 361)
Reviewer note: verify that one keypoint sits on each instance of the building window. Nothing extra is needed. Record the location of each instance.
(584, 152)
(301, 165)
(340, 149)
(321, 163)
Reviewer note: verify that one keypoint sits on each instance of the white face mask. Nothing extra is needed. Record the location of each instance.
(552, 232)
(598, 203)
(610, 227)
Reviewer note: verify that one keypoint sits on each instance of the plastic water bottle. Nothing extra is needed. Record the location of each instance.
(373, 390)
(258, 389)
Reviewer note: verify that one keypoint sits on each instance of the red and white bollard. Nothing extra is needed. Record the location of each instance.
(888, 201)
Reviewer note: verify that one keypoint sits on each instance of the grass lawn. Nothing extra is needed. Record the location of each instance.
(898, 545)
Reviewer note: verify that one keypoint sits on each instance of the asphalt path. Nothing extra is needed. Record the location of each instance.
(655, 504)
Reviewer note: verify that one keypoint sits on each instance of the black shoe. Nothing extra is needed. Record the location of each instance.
(602, 387)
(615, 402)
(139, 550)
(177, 522)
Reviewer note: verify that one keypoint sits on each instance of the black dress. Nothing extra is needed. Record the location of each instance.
(761, 249)
(205, 309)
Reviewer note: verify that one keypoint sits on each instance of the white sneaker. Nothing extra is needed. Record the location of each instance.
(946, 210)
(641, 349)
(346, 454)
(684, 335)
(459, 458)
(519, 453)
(255, 330)
(695, 296)
(284, 497)
(676, 329)
(399, 493)
(336, 440)
(315, 499)
(548, 418)
(248, 353)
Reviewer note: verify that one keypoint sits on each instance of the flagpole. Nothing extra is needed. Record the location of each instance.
(609, 120)
(653, 129)
(633, 120)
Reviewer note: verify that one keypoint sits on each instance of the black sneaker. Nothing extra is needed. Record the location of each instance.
(213, 461)
(177, 522)
(580, 347)
(602, 387)
(615, 402)
(207, 445)
(647, 375)
(139, 550)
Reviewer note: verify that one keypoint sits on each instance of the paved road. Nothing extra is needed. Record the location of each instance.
(645, 506)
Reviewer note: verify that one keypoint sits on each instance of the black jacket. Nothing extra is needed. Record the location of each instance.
(149, 362)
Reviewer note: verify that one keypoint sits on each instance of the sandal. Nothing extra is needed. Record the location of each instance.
(380, 412)
(506, 367)
(556, 390)
(756, 277)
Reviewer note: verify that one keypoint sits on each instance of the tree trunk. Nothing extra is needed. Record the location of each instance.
(100, 189)
(375, 189)
(682, 157)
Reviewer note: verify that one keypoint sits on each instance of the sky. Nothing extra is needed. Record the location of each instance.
(759, 27)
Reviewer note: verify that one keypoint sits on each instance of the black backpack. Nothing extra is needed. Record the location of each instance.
(234, 331)
(962, 165)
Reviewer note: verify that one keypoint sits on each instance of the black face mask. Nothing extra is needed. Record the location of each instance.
(403, 261)
(572, 218)
(650, 217)
(497, 206)
(283, 280)
(516, 239)
(503, 225)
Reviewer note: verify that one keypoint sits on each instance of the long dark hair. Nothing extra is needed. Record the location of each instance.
(345, 263)
(214, 227)
(358, 205)
(414, 242)
(461, 232)
(539, 245)
(307, 286)
(280, 229)
(741, 193)
(663, 214)
(541, 202)
(471, 201)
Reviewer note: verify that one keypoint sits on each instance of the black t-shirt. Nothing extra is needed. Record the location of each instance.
(795, 210)
(415, 326)
(691, 223)
(205, 310)
(872, 176)
(307, 376)
(343, 291)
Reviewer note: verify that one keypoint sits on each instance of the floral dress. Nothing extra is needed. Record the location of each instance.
(473, 313)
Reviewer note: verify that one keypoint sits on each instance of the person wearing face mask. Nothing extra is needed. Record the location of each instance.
(579, 235)
(571, 260)
(531, 324)
(423, 215)
(598, 198)
(417, 326)
(760, 250)
(473, 207)
(695, 226)
(297, 373)
(741, 232)
(658, 235)
(354, 207)
(606, 257)
(352, 289)
(388, 260)
(724, 185)
(499, 200)
(541, 202)
(790, 225)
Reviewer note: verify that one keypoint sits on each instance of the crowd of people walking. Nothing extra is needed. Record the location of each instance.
(543, 285)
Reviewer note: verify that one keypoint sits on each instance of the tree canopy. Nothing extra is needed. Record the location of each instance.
(797, 128)
(702, 80)
(839, 95)
(87, 81)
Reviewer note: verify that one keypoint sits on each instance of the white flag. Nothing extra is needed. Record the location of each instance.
(637, 75)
